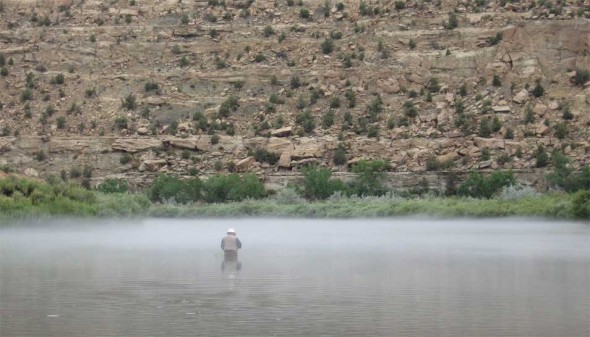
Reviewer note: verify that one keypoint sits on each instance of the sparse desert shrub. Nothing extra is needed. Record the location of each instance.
(304, 13)
(262, 156)
(26, 95)
(561, 130)
(340, 156)
(496, 82)
(151, 86)
(452, 22)
(268, 31)
(259, 58)
(541, 156)
(327, 46)
(581, 77)
(295, 82)
(61, 122)
(229, 105)
(129, 102)
(4, 71)
(121, 122)
(305, 119)
(214, 139)
(538, 90)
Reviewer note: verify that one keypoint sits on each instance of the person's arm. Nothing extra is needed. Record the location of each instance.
(238, 243)
(222, 245)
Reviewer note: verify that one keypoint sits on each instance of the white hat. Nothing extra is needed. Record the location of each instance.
(231, 230)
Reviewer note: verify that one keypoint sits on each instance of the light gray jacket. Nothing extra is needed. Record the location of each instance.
(231, 242)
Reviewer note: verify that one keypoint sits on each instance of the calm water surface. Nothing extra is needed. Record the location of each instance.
(387, 277)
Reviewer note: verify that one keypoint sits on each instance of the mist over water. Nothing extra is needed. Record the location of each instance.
(378, 277)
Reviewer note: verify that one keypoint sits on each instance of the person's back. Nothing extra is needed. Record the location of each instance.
(230, 245)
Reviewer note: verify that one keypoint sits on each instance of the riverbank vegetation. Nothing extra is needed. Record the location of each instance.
(319, 195)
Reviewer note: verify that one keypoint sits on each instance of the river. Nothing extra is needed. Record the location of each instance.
(359, 277)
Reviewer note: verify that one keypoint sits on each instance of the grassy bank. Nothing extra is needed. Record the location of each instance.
(550, 206)
(30, 199)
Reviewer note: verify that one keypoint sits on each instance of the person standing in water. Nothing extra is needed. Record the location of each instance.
(230, 245)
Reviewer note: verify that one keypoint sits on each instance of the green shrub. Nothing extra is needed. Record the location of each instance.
(509, 134)
(496, 82)
(214, 139)
(232, 187)
(129, 102)
(305, 119)
(26, 95)
(59, 79)
(113, 186)
(262, 156)
(581, 204)
(4, 72)
(229, 105)
(327, 46)
(340, 157)
(328, 119)
(335, 102)
(259, 58)
(295, 82)
(564, 177)
(121, 122)
(452, 23)
(495, 39)
(560, 130)
(478, 186)
(151, 86)
(567, 113)
(317, 183)
(370, 177)
(268, 31)
(351, 97)
(304, 13)
(529, 115)
(538, 90)
(61, 122)
(541, 156)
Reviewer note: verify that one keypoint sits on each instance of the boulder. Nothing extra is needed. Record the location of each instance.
(282, 132)
(31, 172)
(501, 108)
(521, 97)
(133, 145)
(449, 156)
(152, 165)
(285, 160)
(390, 86)
(181, 143)
(540, 109)
(244, 164)
(279, 145)
(542, 129)
(492, 143)
(143, 131)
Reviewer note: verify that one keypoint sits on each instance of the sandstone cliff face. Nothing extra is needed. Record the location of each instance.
(137, 88)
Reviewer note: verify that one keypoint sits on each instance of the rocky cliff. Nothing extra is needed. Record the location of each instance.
(132, 88)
